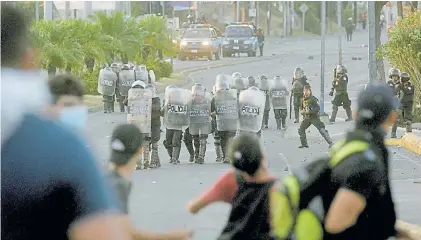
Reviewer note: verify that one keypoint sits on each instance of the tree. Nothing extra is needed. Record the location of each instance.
(400, 8)
(379, 61)
(403, 50)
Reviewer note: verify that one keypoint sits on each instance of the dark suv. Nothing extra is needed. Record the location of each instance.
(200, 42)
(239, 39)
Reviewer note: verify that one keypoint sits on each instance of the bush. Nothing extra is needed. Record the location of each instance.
(160, 67)
(90, 80)
(403, 50)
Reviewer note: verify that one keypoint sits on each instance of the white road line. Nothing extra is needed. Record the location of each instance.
(286, 162)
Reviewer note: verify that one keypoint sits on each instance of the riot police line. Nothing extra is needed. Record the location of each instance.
(235, 105)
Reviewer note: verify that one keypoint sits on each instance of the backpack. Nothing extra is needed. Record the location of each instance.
(296, 206)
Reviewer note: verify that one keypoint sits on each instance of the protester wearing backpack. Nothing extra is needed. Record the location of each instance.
(346, 196)
(246, 188)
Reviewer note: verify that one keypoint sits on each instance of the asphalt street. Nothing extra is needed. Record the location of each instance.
(160, 196)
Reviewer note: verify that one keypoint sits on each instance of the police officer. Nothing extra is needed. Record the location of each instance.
(176, 118)
(200, 123)
(126, 78)
(260, 39)
(116, 68)
(394, 81)
(278, 96)
(251, 81)
(236, 74)
(155, 135)
(217, 139)
(238, 84)
(224, 107)
(406, 98)
(310, 110)
(106, 86)
(264, 87)
(299, 80)
(340, 88)
(251, 104)
(139, 109)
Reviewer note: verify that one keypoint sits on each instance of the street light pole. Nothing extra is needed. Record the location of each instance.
(339, 6)
(238, 11)
(322, 61)
(372, 41)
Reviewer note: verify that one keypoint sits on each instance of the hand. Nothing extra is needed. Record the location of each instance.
(331, 93)
(180, 235)
(193, 207)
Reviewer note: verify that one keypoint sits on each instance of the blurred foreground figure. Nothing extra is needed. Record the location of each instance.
(51, 187)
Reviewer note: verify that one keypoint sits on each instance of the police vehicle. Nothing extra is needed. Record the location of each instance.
(200, 40)
(239, 38)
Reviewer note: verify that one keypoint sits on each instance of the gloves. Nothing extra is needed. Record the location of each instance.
(331, 93)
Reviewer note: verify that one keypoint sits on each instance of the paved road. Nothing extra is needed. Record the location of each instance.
(160, 196)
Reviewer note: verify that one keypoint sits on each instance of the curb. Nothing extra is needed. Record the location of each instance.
(186, 72)
(409, 141)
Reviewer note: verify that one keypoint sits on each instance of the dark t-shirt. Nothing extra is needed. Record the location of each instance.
(121, 187)
(49, 180)
(366, 174)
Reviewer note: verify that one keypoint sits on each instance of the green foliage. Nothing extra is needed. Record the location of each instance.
(80, 45)
(403, 50)
(160, 67)
(90, 80)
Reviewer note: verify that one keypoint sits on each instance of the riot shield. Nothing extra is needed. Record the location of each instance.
(251, 105)
(139, 106)
(106, 82)
(126, 79)
(177, 108)
(200, 119)
(152, 76)
(278, 93)
(238, 84)
(226, 110)
(141, 75)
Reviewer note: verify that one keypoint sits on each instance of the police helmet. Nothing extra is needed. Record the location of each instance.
(138, 84)
(307, 86)
(115, 67)
(131, 66)
(236, 74)
(298, 73)
(251, 80)
(221, 78)
(340, 69)
(152, 88)
(169, 87)
(277, 78)
(404, 77)
(222, 86)
(198, 89)
(263, 77)
(394, 72)
(125, 67)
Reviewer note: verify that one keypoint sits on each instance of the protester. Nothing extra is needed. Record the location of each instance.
(126, 148)
(67, 94)
(51, 187)
(246, 188)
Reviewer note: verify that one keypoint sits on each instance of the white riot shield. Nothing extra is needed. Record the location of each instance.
(107, 82)
(126, 79)
(278, 93)
(141, 75)
(139, 106)
(200, 118)
(177, 108)
(152, 76)
(251, 106)
(226, 110)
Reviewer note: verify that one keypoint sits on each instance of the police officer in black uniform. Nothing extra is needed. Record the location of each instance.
(406, 98)
(310, 110)
(264, 87)
(361, 182)
(340, 89)
(299, 80)
(116, 68)
(155, 127)
(394, 81)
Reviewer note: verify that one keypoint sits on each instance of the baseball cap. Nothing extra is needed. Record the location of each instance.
(125, 143)
(375, 103)
(245, 153)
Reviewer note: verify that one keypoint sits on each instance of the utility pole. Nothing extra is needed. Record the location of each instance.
(37, 10)
(150, 7)
(257, 12)
(48, 10)
(285, 18)
(322, 61)
(163, 8)
(237, 9)
(66, 10)
(372, 41)
(339, 10)
(268, 17)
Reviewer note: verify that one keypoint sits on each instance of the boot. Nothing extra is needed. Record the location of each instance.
(326, 136)
(394, 129)
(105, 107)
(408, 127)
(145, 155)
(265, 119)
(278, 124)
(297, 115)
(155, 163)
(196, 151)
(333, 116)
(121, 107)
(303, 140)
(175, 155)
(202, 151)
(224, 159)
(112, 106)
(218, 151)
(283, 121)
(348, 114)
(190, 149)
